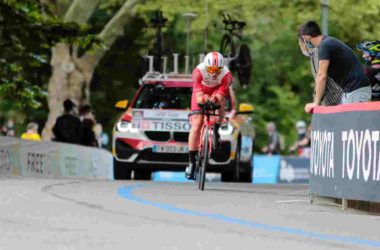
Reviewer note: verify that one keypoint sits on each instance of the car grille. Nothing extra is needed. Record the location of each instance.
(158, 135)
(124, 150)
(148, 155)
(181, 136)
(224, 154)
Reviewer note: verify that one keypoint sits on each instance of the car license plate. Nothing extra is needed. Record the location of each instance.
(170, 149)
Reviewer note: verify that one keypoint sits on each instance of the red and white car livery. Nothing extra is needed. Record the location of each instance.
(152, 133)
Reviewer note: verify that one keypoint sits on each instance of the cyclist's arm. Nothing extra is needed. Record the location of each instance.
(197, 85)
(223, 90)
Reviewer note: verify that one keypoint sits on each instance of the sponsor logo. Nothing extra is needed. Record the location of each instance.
(71, 165)
(287, 172)
(5, 160)
(161, 125)
(322, 158)
(160, 114)
(36, 163)
(298, 172)
(358, 158)
(361, 155)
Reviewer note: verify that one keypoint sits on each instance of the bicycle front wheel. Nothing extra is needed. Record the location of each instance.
(203, 168)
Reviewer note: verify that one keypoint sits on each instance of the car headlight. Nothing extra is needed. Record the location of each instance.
(124, 126)
(226, 130)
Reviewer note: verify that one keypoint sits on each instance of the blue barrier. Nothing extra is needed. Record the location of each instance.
(167, 176)
(294, 170)
(265, 170)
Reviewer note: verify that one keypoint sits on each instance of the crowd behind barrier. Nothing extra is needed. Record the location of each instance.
(345, 158)
(50, 159)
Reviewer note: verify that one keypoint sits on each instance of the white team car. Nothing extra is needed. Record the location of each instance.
(152, 133)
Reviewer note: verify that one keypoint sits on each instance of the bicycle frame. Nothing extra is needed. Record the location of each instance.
(206, 141)
(231, 26)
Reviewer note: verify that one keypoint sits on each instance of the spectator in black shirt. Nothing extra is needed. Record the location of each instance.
(67, 127)
(337, 61)
(87, 129)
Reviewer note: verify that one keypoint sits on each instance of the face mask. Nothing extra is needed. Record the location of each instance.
(309, 45)
(304, 50)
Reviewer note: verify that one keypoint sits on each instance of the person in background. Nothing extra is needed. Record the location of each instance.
(273, 146)
(31, 132)
(338, 61)
(371, 57)
(302, 146)
(87, 129)
(105, 140)
(10, 130)
(98, 131)
(67, 126)
(333, 92)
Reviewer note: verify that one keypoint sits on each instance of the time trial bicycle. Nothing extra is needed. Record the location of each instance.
(206, 142)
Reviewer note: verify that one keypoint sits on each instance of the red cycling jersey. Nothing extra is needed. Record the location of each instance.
(204, 83)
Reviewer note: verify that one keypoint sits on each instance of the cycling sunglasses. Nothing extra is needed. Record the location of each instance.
(214, 69)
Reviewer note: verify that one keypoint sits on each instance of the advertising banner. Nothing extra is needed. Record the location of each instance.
(345, 161)
(294, 170)
(160, 120)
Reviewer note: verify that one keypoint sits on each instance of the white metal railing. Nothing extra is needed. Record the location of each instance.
(152, 75)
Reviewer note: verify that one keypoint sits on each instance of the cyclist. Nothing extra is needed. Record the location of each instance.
(371, 56)
(211, 82)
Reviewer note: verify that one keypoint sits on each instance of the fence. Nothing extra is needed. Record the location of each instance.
(345, 161)
(50, 159)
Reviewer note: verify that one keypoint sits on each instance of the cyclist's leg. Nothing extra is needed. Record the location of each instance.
(196, 121)
(195, 131)
(194, 137)
(220, 111)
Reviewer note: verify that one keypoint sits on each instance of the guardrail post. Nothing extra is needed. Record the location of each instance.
(187, 60)
(175, 63)
(344, 204)
(311, 195)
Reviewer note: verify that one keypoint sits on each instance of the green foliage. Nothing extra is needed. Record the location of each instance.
(117, 74)
(28, 31)
(281, 82)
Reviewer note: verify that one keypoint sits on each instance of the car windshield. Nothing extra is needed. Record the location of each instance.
(157, 96)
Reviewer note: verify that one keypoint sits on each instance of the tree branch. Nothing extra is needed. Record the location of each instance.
(80, 11)
(115, 27)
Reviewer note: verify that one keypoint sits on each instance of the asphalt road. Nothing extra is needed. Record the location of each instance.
(89, 214)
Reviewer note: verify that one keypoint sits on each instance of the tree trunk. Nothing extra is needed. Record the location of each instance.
(70, 74)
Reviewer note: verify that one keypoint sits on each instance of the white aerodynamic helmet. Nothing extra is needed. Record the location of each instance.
(214, 60)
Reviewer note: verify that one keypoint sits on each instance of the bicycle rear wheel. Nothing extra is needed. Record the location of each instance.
(203, 168)
(244, 65)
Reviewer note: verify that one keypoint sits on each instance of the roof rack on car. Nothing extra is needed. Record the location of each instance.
(152, 75)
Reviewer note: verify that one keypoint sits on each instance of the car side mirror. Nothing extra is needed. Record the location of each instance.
(246, 109)
(122, 104)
